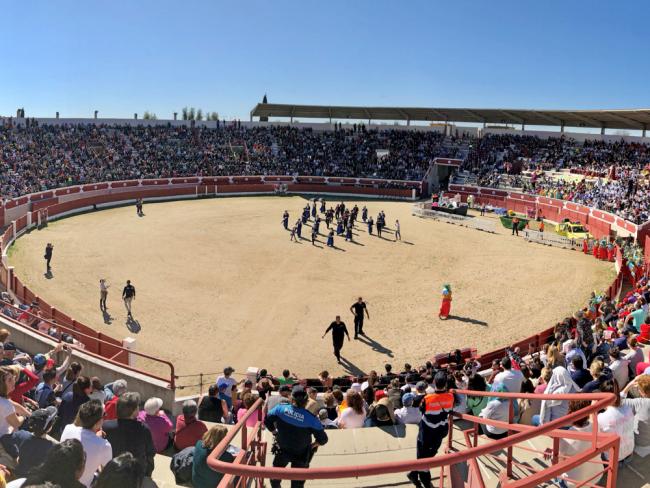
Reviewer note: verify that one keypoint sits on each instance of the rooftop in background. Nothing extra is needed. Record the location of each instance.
(638, 119)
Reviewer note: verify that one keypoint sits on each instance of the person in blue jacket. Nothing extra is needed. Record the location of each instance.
(293, 428)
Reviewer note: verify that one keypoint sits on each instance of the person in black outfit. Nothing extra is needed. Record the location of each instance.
(127, 434)
(210, 408)
(48, 255)
(128, 295)
(357, 310)
(293, 427)
(339, 331)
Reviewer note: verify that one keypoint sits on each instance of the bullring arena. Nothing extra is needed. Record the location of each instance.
(219, 282)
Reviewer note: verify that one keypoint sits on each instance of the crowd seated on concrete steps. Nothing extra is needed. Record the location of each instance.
(37, 157)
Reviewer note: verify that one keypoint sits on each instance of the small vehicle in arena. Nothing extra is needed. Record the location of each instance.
(572, 230)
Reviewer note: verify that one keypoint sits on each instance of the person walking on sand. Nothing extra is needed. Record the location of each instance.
(398, 233)
(128, 295)
(103, 294)
(48, 255)
(339, 331)
(445, 306)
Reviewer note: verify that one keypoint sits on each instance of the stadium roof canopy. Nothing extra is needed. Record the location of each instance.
(604, 119)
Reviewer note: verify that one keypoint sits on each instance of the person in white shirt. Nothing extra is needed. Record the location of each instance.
(354, 415)
(617, 419)
(620, 367)
(509, 377)
(572, 447)
(408, 414)
(228, 380)
(98, 450)
(325, 421)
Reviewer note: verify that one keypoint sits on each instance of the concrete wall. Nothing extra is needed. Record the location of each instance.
(578, 136)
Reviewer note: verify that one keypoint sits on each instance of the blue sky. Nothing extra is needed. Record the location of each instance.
(122, 57)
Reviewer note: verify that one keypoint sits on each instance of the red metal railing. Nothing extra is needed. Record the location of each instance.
(171, 379)
(600, 442)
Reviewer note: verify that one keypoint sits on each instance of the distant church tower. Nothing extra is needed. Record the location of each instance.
(264, 119)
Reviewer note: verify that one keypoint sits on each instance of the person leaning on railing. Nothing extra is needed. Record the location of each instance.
(641, 408)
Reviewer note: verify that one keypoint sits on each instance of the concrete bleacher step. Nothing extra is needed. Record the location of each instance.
(356, 447)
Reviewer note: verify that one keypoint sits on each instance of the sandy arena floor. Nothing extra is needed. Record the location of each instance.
(218, 282)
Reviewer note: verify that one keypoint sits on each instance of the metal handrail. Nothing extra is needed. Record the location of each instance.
(602, 400)
(171, 379)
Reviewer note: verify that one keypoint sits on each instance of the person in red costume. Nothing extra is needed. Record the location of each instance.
(445, 306)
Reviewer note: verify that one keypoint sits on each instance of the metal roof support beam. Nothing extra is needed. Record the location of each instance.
(631, 122)
(439, 114)
(644, 129)
(589, 120)
(514, 117)
(477, 116)
(553, 120)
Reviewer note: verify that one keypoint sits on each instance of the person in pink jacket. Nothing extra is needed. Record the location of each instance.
(158, 423)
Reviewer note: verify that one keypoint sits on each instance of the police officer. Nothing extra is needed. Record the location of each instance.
(293, 427)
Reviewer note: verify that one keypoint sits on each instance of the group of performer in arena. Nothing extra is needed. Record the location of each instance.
(602, 249)
(344, 217)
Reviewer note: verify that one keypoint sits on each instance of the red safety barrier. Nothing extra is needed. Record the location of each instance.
(108, 349)
(245, 466)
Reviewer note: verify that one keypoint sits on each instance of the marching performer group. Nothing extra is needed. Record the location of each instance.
(341, 218)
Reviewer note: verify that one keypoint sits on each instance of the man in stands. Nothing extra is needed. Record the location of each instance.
(87, 424)
(293, 427)
(433, 428)
(511, 378)
(229, 382)
(126, 434)
(189, 429)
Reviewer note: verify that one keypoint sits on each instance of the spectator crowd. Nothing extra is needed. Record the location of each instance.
(37, 157)
(618, 171)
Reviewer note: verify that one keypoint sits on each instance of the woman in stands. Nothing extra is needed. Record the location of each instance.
(202, 475)
(559, 384)
(445, 307)
(618, 419)
(354, 415)
(476, 404)
(641, 408)
(572, 447)
(12, 415)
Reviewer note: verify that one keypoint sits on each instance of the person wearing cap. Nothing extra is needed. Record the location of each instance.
(34, 444)
(293, 427)
(434, 427)
(189, 429)
(408, 414)
(158, 422)
(229, 381)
